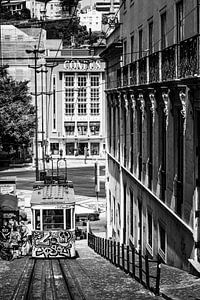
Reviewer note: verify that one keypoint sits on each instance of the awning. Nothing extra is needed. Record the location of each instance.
(94, 123)
(69, 124)
(82, 124)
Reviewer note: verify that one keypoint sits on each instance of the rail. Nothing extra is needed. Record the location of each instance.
(127, 258)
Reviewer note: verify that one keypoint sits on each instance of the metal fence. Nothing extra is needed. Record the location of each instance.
(128, 259)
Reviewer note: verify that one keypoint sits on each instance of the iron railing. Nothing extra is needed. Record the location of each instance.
(127, 258)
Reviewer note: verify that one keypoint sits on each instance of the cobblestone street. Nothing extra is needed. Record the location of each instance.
(98, 279)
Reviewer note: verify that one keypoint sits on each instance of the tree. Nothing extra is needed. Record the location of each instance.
(17, 114)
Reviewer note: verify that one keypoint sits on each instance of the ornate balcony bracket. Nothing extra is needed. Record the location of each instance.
(182, 96)
(142, 103)
(133, 104)
(125, 102)
(119, 99)
(153, 104)
(165, 97)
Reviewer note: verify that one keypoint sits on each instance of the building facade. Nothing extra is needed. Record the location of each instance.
(76, 107)
(153, 117)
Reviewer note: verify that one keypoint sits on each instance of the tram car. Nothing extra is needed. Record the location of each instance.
(53, 219)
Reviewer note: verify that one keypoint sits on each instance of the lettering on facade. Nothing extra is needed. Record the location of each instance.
(82, 65)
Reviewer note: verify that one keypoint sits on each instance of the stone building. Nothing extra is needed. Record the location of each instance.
(153, 117)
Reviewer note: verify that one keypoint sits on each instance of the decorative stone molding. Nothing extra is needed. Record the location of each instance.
(125, 102)
(119, 98)
(153, 104)
(133, 104)
(182, 97)
(142, 103)
(165, 97)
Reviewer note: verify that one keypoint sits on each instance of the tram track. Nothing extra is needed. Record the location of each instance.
(47, 279)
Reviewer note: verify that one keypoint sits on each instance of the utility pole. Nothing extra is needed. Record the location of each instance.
(42, 95)
(35, 52)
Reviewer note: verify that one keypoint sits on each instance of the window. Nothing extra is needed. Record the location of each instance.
(82, 95)
(140, 42)
(94, 128)
(125, 52)
(150, 37)
(132, 48)
(37, 219)
(163, 31)
(94, 95)
(7, 37)
(179, 21)
(162, 241)
(53, 219)
(94, 148)
(20, 37)
(69, 95)
(82, 128)
(54, 102)
(69, 148)
(149, 229)
(114, 220)
(54, 148)
(119, 215)
(68, 219)
(69, 128)
(131, 212)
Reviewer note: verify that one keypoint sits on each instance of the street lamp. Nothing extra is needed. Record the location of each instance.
(35, 52)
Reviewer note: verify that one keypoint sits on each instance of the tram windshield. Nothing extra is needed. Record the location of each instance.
(53, 219)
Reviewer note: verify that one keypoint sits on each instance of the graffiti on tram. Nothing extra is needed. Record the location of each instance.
(48, 244)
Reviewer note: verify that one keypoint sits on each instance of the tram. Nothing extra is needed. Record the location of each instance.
(53, 219)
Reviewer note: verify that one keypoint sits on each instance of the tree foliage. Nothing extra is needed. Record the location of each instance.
(6, 14)
(17, 114)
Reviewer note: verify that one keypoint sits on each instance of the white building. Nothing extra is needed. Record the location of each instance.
(75, 109)
(92, 19)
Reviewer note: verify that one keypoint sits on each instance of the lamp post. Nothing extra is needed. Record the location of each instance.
(35, 52)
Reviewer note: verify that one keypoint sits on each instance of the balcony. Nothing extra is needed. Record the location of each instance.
(178, 61)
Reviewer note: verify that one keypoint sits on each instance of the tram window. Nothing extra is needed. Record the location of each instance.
(53, 219)
(37, 219)
(68, 218)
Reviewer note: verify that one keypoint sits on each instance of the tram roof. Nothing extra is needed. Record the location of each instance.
(54, 193)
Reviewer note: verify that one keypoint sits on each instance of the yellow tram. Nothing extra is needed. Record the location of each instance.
(53, 219)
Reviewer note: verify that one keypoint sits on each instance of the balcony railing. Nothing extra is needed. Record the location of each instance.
(154, 67)
(143, 70)
(133, 73)
(168, 63)
(125, 75)
(189, 63)
(177, 61)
